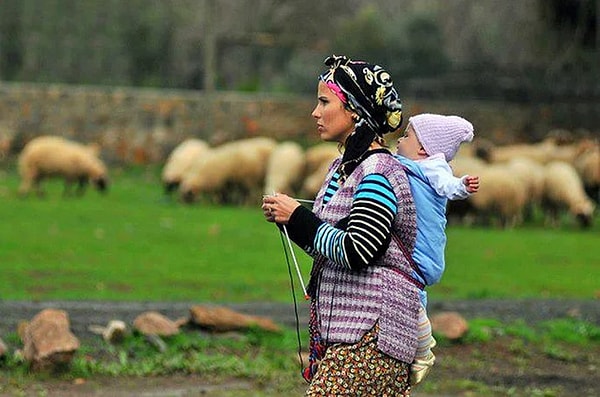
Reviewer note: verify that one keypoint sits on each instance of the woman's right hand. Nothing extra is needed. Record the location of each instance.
(279, 208)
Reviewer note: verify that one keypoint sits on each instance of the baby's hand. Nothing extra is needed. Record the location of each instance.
(472, 183)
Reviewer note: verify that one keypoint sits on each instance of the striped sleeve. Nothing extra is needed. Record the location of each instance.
(368, 230)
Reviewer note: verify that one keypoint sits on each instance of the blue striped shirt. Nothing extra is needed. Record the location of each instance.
(365, 234)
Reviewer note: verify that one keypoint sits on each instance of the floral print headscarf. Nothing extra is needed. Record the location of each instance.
(368, 91)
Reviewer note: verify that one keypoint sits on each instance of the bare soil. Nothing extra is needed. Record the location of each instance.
(501, 367)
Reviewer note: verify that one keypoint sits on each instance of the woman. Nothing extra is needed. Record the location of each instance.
(364, 303)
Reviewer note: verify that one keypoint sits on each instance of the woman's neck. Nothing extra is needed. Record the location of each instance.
(375, 145)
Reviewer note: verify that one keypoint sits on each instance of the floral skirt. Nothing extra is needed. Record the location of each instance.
(360, 370)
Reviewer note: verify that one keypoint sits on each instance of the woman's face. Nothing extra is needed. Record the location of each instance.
(334, 121)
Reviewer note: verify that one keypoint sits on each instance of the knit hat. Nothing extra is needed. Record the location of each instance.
(441, 134)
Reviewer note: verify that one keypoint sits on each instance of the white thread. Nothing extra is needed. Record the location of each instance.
(295, 261)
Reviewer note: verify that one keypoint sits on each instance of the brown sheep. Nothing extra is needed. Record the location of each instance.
(53, 156)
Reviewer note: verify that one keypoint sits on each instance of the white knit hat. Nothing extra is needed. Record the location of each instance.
(441, 134)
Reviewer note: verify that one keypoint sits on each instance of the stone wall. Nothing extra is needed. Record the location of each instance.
(143, 125)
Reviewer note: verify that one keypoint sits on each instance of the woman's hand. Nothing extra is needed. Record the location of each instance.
(279, 207)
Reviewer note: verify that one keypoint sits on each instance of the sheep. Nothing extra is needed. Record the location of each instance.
(588, 168)
(313, 182)
(53, 156)
(319, 154)
(285, 169)
(318, 159)
(549, 149)
(501, 195)
(232, 171)
(563, 189)
(466, 165)
(503, 153)
(460, 211)
(531, 174)
(180, 161)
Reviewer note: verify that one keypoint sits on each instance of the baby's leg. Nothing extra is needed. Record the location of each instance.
(424, 357)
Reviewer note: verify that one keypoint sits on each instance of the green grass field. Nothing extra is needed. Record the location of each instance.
(136, 244)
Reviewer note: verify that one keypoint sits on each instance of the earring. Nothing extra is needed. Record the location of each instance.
(355, 117)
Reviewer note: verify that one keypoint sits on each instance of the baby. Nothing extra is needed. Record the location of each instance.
(428, 144)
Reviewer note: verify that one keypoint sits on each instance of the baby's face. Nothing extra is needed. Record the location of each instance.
(408, 145)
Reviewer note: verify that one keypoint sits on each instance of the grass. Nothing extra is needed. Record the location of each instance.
(136, 244)
(526, 262)
(263, 358)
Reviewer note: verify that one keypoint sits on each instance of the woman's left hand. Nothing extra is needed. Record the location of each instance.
(279, 208)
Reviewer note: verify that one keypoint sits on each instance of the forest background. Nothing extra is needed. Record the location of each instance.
(522, 52)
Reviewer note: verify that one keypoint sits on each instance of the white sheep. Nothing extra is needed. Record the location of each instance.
(285, 169)
(318, 159)
(313, 182)
(563, 190)
(466, 165)
(321, 153)
(543, 152)
(232, 172)
(180, 161)
(462, 211)
(588, 168)
(53, 156)
(531, 174)
(501, 196)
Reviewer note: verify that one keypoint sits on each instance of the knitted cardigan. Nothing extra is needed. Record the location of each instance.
(349, 303)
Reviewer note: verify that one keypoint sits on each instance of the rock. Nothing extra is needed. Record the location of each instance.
(96, 329)
(48, 341)
(21, 327)
(115, 331)
(222, 319)
(3, 349)
(182, 322)
(154, 323)
(450, 325)
(157, 342)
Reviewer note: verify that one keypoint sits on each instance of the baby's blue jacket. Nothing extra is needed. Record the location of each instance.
(431, 224)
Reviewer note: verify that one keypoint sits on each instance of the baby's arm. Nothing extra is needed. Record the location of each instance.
(440, 176)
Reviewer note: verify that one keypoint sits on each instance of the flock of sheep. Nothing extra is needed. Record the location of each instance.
(554, 176)
(241, 171)
(235, 172)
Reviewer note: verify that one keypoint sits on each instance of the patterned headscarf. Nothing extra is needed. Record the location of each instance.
(368, 91)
